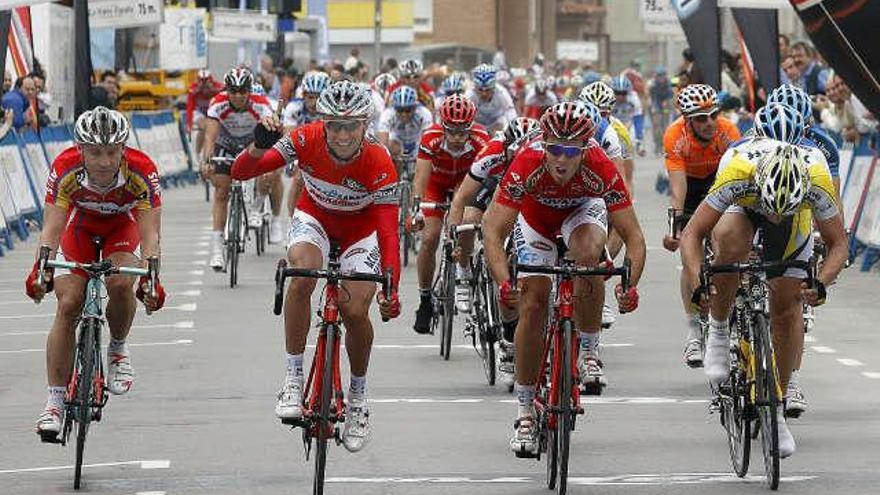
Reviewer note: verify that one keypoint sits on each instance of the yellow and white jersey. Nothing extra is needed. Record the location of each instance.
(626, 142)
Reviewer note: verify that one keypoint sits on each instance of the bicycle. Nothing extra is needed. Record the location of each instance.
(236, 225)
(86, 393)
(443, 287)
(484, 323)
(261, 232)
(404, 188)
(323, 404)
(557, 400)
(752, 392)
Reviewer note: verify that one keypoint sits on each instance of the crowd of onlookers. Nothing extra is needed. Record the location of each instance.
(25, 102)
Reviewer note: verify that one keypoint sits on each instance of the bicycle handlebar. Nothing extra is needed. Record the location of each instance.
(707, 270)
(333, 275)
(571, 271)
(222, 159)
(675, 220)
(427, 205)
(457, 230)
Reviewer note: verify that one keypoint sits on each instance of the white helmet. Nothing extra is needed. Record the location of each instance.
(346, 100)
(600, 94)
(783, 179)
(101, 126)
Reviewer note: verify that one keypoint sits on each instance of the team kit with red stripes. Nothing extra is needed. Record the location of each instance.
(543, 191)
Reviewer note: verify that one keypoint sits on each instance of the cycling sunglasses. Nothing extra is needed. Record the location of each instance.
(561, 149)
(242, 90)
(457, 131)
(405, 109)
(342, 125)
(703, 118)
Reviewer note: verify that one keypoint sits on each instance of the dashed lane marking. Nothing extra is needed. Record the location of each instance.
(584, 400)
(850, 362)
(871, 374)
(821, 349)
(142, 344)
(621, 480)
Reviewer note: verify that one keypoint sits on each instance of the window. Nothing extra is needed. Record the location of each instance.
(423, 16)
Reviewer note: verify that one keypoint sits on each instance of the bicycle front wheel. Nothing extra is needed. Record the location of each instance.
(736, 419)
(235, 233)
(767, 398)
(448, 304)
(566, 410)
(85, 373)
(485, 331)
(325, 426)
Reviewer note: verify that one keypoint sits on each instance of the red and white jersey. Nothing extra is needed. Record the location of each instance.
(349, 188)
(351, 200)
(492, 160)
(137, 185)
(449, 168)
(544, 203)
(237, 126)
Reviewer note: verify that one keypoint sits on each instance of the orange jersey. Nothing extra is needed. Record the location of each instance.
(698, 159)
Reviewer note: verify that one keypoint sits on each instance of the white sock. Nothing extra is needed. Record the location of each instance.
(115, 345)
(793, 381)
(693, 323)
(589, 341)
(276, 218)
(525, 396)
(718, 330)
(56, 397)
(357, 388)
(295, 365)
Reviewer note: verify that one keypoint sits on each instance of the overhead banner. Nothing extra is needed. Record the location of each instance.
(125, 13)
(244, 25)
(702, 27)
(760, 31)
(659, 17)
(577, 50)
(183, 43)
(846, 34)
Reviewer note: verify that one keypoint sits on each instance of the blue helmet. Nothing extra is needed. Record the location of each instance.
(794, 97)
(593, 112)
(315, 82)
(779, 122)
(404, 97)
(484, 75)
(591, 76)
(258, 89)
(621, 84)
(454, 83)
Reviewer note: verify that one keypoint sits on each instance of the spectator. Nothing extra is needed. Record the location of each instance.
(42, 100)
(814, 77)
(19, 101)
(784, 45)
(390, 64)
(7, 83)
(106, 92)
(689, 65)
(790, 74)
(499, 59)
(353, 61)
(842, 113)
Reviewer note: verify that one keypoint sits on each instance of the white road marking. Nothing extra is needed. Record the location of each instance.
(456, 346)
(16, 317)
(150, 493)
(203, 244)
(188, 293)
(850, 362)
(179, 324)
(201, 253)
(821, 349)
(621, 480)
(195, 282)
(152, 464)
(180, 307)
(809, 339)
(142, 344)
(7, 303)
(584, 400)
(196, 272)
(871, 374)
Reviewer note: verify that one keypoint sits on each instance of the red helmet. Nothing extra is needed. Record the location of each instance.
(569, 120)
(457, 110)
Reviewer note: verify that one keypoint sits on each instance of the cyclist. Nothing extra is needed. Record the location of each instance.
(628, 109)
(816, 136)
(197, 100)
(784, 123)
(232, 116)
(494, 104)
(412, 74)
(381, 90)
(401, 127)
(447, 151)
(452, 85)
(471, 200)
(539, 99)
(602, 96)
(303, 110)
(779, 188)
(564, 184)
(694, 143)
(350, 200)
(98, 187)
